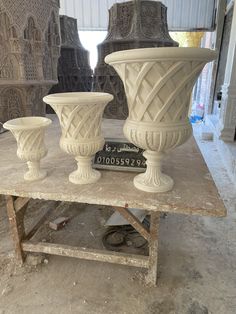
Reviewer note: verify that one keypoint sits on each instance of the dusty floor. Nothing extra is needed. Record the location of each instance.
(197, 273)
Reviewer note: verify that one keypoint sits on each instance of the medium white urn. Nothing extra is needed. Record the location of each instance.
(80, 116)
(29, 134)
(158, 84)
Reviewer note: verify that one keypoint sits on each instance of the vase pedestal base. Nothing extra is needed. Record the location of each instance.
(153, 180)
(34, 173)
(85, 174)
(165, 183)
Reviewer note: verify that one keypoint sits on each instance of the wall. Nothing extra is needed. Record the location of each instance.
(182, 14)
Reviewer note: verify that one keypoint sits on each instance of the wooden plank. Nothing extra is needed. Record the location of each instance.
(20, 202)
(87, 254)
(151, 277)
(58, 223)
(41, 221)
(16, 221)
(133, 221)
(34, 229)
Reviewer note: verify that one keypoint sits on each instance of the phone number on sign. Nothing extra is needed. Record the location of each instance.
(120, 161)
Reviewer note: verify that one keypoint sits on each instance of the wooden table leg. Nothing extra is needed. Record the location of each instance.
(16, 211)
(138, 226)
(151, 278)
(151, 236)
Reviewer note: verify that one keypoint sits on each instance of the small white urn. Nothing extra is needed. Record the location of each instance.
(80, 116)
(158, 84)
(29, 134)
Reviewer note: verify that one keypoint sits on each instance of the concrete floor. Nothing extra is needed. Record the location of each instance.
(197, 273)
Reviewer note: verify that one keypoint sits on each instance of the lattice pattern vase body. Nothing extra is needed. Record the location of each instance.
(29, 134)
(80, 116)
(158, 84)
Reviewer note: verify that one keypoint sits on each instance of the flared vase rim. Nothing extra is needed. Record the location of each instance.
(162, 53)
(82, 98)
(27, 123)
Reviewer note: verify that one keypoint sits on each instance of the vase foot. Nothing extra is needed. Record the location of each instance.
(84, 174)
(78, 177)
(153, 180)
(39, 175)
(163, 183)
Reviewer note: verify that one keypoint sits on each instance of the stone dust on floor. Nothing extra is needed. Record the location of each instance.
(197, 269)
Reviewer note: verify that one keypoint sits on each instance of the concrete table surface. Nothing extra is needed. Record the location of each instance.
(194, 190)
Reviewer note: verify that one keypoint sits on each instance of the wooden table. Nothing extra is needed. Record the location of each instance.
(194, 193)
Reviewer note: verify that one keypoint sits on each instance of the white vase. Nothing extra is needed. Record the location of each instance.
(158, 84)
(29, 134)
(80, 116)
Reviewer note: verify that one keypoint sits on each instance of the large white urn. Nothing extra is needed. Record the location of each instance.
(29, 134)
(80, 116)
(158, 84)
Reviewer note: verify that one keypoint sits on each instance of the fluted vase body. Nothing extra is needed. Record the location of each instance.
(29, 134)
(158, 84)
(80, 116)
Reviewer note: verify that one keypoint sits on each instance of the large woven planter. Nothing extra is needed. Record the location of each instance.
(158, 84)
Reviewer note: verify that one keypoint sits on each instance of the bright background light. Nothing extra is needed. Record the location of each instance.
(90, 40)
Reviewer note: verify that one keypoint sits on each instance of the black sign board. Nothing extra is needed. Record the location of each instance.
(119, 155)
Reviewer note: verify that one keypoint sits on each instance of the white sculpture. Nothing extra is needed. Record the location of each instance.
(80, 116)
(158, 84)
(29, 134)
